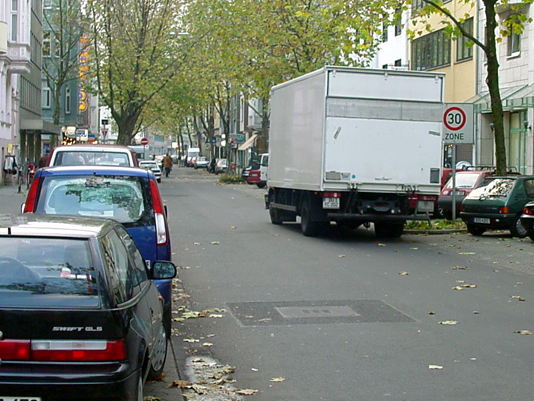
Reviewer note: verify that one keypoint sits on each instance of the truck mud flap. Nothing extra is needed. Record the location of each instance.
(282, 206)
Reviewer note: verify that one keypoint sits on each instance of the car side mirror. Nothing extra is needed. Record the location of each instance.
(162, 270)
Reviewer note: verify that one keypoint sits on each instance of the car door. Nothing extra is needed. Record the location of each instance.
(147, 291)
(126, 288)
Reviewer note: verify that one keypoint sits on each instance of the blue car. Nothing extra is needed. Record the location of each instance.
(125, 194)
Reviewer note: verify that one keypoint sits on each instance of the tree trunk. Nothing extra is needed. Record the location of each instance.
(126, 127)
(57, 105)
(493, 86)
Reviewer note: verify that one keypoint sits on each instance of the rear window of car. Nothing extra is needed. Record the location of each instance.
(121, 198)
(464, 180)
(47, 272)
(77, 158)
(497, 188)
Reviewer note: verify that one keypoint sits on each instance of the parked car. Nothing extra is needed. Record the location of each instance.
(527, 219)
(254, 177)
(466, 181)
(81, 318)
(498, 205)
(221, 166)
(93, 155)
(127, 195)
(153, 166)
(201, 162)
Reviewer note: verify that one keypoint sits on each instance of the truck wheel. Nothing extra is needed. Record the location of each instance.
(475, 230)
(518, 229)
(309, 227)
(275, 216)
(389, 230)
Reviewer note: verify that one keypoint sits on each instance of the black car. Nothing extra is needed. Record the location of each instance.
(80, 318)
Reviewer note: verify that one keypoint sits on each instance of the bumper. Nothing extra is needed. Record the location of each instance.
(375, 217)
(68, 388)
(496, 221)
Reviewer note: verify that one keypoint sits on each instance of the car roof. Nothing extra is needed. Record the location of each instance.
(95, 148)
(96, 170)
(54, 226)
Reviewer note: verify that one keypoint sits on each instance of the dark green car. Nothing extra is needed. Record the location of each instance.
(498, 205)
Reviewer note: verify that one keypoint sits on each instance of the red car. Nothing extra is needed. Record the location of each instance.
(254, 177)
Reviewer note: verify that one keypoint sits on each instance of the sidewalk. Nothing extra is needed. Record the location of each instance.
(166, 389)
(10, 199)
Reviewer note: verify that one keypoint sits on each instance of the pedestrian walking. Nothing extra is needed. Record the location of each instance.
(167, 164)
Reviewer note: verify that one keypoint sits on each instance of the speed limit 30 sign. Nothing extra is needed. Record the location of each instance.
(458, 123)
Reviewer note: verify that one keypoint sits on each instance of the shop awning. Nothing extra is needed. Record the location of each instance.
(511, 97)
(248, 143)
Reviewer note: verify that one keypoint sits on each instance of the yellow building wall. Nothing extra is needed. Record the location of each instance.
(460, 80)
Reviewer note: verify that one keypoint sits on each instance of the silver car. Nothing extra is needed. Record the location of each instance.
(153, 166)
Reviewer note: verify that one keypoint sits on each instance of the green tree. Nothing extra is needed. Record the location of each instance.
(493, 33)
(136, 51)
(62, 32)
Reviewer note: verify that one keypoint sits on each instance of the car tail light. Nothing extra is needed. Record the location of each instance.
(161, 227)
(504, 210)
(78, 351)
(529, 211)
(15, 350)
(31, 199)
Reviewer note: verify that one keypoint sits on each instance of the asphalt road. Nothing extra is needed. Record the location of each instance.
(346, 318)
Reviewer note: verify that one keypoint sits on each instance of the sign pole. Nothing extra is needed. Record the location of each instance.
(453, 183)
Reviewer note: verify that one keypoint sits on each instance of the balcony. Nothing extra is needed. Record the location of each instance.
(18, 57)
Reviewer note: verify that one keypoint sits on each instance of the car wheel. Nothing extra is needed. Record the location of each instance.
(159, 180)
(159, 354)
(261, 184)
(475, 230)
(518, 229)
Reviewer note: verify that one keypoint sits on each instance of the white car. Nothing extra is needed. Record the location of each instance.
(93, 155)
(201, 162)
(153, 166)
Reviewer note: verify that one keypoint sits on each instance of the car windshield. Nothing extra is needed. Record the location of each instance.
(497, 188)
(116, 197)
(47, 272)
(77, 158)
(467, 180)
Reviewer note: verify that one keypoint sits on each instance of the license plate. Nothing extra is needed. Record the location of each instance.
(330, 203)
(20, 398)
(481, 220)
(459, 193)
(425, 206)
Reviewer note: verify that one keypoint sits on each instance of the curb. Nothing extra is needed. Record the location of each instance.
(436, 232)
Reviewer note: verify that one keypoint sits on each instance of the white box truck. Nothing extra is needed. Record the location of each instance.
(355, 146)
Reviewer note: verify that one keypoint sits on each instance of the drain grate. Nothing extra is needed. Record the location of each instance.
(315, 312)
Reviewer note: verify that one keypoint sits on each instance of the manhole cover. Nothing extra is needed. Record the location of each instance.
(315, 312)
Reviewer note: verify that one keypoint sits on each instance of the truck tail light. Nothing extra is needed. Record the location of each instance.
(504, 210)
(331, 195)
(15, 350)
(78, 351)
(161, 226)
(31, 200)
(528, 211)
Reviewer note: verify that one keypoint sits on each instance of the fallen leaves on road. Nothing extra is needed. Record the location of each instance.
(459, 268)
(519, 298)
(341, 256)
(151, 398)
(403, 273)
(191, 340)
(207, 344)
(524, 332)
(448, 322)
(414, 249)
(246, 391)
(467, 253)
(431, 313)
(215, 243)
(464, 286)
(381, 244)
(180, 384)
(278, 379)
(437, 367)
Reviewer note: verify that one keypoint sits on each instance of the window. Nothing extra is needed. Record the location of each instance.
(398, 24)
(118, 267)
(45, 94)
(398, 63)
(529, 188)
(431, 51)
(514, 44)
(67, 101)
(464, 47)
(384, 32)
(14, 19)
(385, 67)
(46, 44)
(139, 274)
